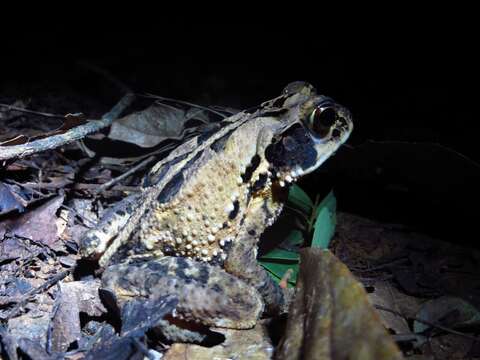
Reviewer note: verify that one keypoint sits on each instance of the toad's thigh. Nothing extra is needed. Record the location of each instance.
(205, 293)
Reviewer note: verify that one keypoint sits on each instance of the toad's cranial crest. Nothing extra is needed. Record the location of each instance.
(196, 225)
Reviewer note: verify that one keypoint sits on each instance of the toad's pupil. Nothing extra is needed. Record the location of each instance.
(323, 118)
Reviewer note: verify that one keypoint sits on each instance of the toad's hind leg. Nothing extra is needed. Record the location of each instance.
(203, 292)
(242, 257)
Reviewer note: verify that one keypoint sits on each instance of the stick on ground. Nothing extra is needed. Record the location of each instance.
(77, 133)
(137, 167)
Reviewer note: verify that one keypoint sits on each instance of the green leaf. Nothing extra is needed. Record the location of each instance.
(294, 237)
(298, 199)
(280, 254)
(277, 270)
(324, 226)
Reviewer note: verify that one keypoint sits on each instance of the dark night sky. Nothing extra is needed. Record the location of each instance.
(399, 87)
(420, 87)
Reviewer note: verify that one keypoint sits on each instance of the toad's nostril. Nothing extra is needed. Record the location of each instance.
(336, 133)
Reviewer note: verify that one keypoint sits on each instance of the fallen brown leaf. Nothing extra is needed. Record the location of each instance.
(38, 224)
(149, 127)
(331, 316)
(74, 297)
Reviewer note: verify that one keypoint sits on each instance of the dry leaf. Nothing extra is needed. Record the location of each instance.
(149, 127)
(74, 297)
(8, 200)
(385, 296)
(38, 225)
(331, 316)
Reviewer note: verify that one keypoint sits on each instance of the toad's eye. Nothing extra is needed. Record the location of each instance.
(321, 119)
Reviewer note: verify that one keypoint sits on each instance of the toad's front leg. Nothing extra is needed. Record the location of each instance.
(242, 256)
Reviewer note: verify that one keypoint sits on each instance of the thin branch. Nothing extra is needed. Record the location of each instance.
(76, 213)
(206, 108)
(106, 74)
(77, 133)
(19, 109)
(70, 185)
(382, 266)
(441, 327)
(27, 296)
(134, 169)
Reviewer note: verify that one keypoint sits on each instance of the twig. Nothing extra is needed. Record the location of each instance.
(407, 337)
(206, 108)
(381, 266)
(374, 279)
(70, 185)
(79, 132)
(441, 327)
(47, 284)
(19, 109)
(106, 74)
(34, 191)
(76, 213)
(134, 169)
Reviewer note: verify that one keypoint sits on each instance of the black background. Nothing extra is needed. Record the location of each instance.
(419, 87)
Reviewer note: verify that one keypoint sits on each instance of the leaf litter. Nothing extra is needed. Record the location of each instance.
(50, 305)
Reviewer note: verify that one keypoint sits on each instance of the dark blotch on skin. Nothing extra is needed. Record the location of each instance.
(266, 210)
(175, 184)
(172, 187)
(219, 145)
(260, 183)
(228, 246)
(217, 260)
(208, 133)
(217, 288)
(157, 268)
(182, 265)
(121, 213)
(251, 168)
(155, 178)
(295, 147)
(168, 250)
(234, 212)
(203, 275)
(252, 232)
